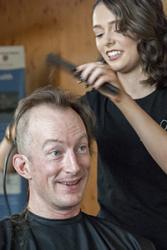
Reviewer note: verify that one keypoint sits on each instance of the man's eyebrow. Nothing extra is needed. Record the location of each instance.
(83, 136)
(61, 141)
(51, 141)
(110, 23)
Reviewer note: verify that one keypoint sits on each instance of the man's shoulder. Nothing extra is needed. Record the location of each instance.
(120, 235)
(8, 228)
(5, 223)
(5, 233)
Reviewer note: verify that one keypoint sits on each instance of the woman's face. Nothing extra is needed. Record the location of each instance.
(118, 50)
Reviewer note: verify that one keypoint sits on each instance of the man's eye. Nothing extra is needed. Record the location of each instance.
(83, 149)
(55, 154)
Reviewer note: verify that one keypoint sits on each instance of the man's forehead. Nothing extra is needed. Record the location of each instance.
(44, 111)
(47, 114)
(50, 125)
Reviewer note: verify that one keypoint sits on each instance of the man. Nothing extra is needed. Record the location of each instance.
(54, 132)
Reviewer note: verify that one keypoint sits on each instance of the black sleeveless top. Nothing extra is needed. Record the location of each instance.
(132, 188)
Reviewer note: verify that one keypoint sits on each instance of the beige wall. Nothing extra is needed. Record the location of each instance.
(59, 26)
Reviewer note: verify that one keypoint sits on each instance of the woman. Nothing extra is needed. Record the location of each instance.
(131, 36)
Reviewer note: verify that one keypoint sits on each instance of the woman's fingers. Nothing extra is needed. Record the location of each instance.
(101, 77)
(96, 74)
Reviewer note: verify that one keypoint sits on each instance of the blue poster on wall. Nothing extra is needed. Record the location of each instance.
(12, 89)
(12, 82)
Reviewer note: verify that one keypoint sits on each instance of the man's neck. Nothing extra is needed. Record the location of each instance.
(54, 213)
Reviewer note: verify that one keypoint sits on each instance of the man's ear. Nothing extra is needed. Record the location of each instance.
(22, 165)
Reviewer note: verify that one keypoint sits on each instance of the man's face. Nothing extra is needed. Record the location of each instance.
(59, 158)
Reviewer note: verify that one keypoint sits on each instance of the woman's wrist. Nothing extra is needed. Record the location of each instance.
(9, 133)
(7, 138)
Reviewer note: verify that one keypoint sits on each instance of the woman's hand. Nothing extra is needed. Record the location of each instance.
(5, 147)
(97, 74)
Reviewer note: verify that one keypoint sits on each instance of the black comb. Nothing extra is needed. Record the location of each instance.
(55, 59)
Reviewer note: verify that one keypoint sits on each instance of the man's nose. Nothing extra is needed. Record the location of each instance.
(71, 163)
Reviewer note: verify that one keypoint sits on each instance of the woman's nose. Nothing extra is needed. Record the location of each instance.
(109, 39)
(109, 43)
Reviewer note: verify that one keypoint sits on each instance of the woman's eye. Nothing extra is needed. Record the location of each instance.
(98, 35)
(117, 30)
(117, 27)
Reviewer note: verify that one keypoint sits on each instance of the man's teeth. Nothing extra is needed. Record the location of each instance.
(69, 183)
